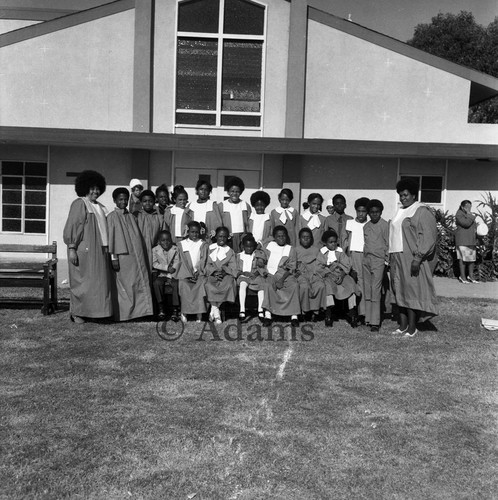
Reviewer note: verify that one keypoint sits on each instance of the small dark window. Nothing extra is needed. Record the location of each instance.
(199, 16)
(243, 18)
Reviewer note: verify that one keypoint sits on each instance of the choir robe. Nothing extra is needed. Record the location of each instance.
(149, 225)
(225, 290)
(191, 294)
(226, 218)
(316, 231)
(311, 284)
(255, 276)
(375, 255)
(290, 225)
(419, 242)
(355, 246)
(131, 290)
(170, 219)
(211, 216)
(284, 301)
(333, 222)
(266, 233)
(162, 213)
(345, 289)
(90, 280)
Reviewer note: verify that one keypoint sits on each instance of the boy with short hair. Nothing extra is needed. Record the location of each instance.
(136, 189)
(337, 220)
(375, 258)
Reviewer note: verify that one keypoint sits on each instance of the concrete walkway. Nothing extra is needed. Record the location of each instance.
(451, 287)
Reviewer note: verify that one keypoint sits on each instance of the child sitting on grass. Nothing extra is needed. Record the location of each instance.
(165, 263)
(251, 275)
(312, 218)
(220, 272)
(193, 256)
(335, 267)
(311, 285)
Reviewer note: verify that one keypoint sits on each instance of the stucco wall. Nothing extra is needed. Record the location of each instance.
(275, 81)
(358, 90)
(78, 77)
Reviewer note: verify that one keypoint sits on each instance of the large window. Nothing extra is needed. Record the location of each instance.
(23, 197)
(430, 187)
(220, 47)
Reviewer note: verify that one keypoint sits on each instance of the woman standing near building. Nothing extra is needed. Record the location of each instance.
(85, 235)
(466, 241)
(412, 246)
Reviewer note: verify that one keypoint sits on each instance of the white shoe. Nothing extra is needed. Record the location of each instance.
(469, 279)
(398, 331)
(183, 318)
(461, 280)
(409, 335)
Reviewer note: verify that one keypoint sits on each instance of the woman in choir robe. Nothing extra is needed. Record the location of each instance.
(205, 210)
(259, 224)
(285, 215)
(235, 212)
(412, 254)
(85, 235)
(131, 291)
(190, 274)
(281, 287)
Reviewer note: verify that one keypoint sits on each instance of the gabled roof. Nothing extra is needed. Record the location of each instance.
(483, 86)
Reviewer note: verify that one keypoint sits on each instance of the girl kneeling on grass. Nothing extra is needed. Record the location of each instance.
(220, 272)
(338, 284)
(281, 287)
(251, 275)
(193, 256)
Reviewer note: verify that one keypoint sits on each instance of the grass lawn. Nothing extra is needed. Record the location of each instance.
(113, 411)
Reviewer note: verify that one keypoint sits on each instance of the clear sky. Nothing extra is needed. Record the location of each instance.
(398, 18)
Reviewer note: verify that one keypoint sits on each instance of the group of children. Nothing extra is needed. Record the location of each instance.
(204, 254)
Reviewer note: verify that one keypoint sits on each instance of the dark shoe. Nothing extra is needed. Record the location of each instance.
(315, 317)
(175, 316)
(243, 318)
(294, 323)
(354, 321)
(266, 322)
(361, 320)
(161, 316)
(374, 328)
(329, 322)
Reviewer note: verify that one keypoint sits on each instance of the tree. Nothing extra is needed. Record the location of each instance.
(458, 38)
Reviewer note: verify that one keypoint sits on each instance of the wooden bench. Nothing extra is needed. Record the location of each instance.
(31, 273)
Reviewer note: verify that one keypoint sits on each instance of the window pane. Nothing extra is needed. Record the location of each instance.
(432, 183)
(12, 167)
(34, 226)
(11, 196)
(196, 74)
(241, 86)
(36, 169)
(38, 183)
(430, 196)
(195, 119)
(243, 18)
(12, 211)
(35, 197)
(34, 212)
(11, 225)
(199, 16)
(240, 121)
(12, 182)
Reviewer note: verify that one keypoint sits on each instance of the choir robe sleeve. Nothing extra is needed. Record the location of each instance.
(426, 228)
(117, 240)
(75, 224)
(344, 261)
(230, 266)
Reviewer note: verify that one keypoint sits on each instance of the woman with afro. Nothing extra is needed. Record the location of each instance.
(86, 237)
(259, 224)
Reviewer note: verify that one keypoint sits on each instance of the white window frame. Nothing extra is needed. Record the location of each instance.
(443, 187)
(23, 198)
(220, 37)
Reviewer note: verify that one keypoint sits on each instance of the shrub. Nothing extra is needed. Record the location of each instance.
(445, 247)
(487, 247)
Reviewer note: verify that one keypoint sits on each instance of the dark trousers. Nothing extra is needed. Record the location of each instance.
(166, 286)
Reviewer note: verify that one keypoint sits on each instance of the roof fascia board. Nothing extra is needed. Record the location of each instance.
(320, 11)
(68, 21)
(32, 14)
(233, 144)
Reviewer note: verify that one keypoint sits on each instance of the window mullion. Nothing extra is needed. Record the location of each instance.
(23, 199)
(219, 79)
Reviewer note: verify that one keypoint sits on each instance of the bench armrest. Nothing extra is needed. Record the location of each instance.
(52, 263)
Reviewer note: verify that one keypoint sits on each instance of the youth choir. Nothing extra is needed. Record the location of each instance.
(203, 254)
